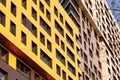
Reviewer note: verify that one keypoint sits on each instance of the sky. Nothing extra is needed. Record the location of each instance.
(115, 7)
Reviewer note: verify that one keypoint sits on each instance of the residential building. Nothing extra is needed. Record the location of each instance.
(38, 41)
(99, 38)
(110, 39)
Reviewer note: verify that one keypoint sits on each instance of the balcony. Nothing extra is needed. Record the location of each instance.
(70, 9)
(75, 4)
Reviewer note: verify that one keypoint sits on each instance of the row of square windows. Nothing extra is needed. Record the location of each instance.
(27, 72)
(44, 58)
(42, 39)
(22, 68)
(24, 2)
(34, 46)
(45, 26)
(33, 29)
(34, 12)
(109, 21)
(85, 57)
(88, 71)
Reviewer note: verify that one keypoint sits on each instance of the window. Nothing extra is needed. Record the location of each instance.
(3, 75)
(85, 58)
(35, 1)
(83, 24)
(90, 72)
(93, 76)
(23, 38)
(99, 64)
(90, 64)
(63, 75)
(45, 26)
(85, 36)
(3, 55)
(42, 38)
(48, 2)
(62, 45)
(60, 57)
(77, 39)
(24, 20)
(80, 39)
(85, 45)
(95, 34)
(85, 68)
(13, 9)
(97, 53)
(34, 48)
(42, 7)
(74, 20)
(89, 41)
(34, 30)
(69, 28)
(86, 3)
(56, 39)
(81, 53)
(71, 69)
(42, 78)
(61, 18)
(83, 76)
(99, 75)
(48, 15)
(78, 50)
(12, 28)
(24, 3)
(59, 28)
(49, 45)
(70, 54)
(69, 78)
(95, 69)
(79, 29)
(68, 39)
(3, 2)
(90, 53)
(87, 78)
(55, 11)
(91, 27)
(58, 71)
(90, 11)
(45, 58)
(112, 60)
(29, 25)
(2, 18)
(98, 47)
(23, 69)
(79, 76)
(34, 13)
(92, 46)
(76, 14)
(109, 71)
(78, 62)
(36, 77)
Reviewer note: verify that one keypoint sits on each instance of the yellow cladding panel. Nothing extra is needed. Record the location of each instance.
(12, 60)
(27, 49)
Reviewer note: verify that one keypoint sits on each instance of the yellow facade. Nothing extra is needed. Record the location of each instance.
(27, 49)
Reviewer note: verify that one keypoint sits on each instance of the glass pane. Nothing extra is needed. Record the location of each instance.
(2, 76)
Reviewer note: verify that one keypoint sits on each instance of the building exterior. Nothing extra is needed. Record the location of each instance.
(110, 40)
(38, 41)
(99, 38)
(41, 40)
(88, 39)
